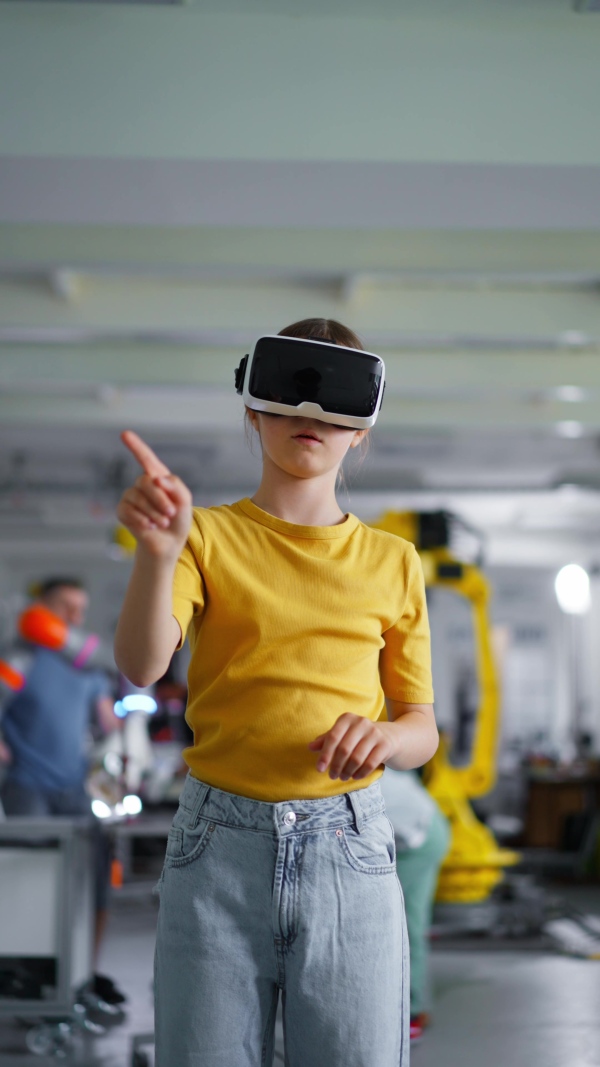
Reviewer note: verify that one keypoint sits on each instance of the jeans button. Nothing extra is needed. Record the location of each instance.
(289, 818)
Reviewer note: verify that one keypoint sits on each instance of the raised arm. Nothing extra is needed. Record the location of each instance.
(157, 510)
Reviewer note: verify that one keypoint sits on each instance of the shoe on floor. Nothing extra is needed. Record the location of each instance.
(105, 988)
(417, 1027)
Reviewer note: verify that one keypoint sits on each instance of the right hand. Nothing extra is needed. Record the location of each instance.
(157, 509)
(5, 753)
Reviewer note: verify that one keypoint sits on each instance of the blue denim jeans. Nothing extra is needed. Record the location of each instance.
(300, 897)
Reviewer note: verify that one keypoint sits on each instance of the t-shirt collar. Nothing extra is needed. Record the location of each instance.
(294, 529)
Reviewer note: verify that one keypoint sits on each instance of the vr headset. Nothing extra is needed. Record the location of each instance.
(316, 379)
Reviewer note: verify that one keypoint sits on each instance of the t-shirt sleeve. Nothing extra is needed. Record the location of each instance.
(188, 584)
(405, 662)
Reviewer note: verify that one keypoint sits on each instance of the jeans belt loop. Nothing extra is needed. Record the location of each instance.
(198, 804)
(357, 811)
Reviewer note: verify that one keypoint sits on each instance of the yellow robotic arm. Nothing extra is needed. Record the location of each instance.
(474, 864)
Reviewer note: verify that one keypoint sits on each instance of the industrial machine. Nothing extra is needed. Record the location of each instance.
(475, 863)
(477, 890)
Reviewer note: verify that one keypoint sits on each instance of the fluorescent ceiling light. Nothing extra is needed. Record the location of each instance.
(569, 394)
(569, 428)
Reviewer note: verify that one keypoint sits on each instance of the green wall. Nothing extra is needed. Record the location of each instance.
(463, 82)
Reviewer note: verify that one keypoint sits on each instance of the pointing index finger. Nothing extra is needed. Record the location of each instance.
(148, 460)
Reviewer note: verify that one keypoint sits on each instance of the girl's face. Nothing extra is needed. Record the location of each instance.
(303, 448)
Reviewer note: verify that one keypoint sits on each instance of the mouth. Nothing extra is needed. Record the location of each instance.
(307, 435)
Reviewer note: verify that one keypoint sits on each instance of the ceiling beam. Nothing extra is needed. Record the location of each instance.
(340, 251)
(217, 407)
(443, 375)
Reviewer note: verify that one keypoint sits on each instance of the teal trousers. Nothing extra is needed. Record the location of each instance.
(418, 870)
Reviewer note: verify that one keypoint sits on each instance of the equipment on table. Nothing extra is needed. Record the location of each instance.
(46, 934)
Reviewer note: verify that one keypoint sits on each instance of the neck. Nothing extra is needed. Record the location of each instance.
(304, 501)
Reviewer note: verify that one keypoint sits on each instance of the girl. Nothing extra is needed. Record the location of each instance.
(280, 869)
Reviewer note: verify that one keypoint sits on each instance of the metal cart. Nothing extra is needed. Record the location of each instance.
(138, 1057)
(46, 930)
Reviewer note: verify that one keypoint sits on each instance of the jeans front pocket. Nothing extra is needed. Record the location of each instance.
(184, 843)
(373, 850)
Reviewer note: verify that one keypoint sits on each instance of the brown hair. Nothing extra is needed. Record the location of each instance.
(323, 330)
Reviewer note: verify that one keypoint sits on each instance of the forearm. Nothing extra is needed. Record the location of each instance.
(413, 735)
(147, 634)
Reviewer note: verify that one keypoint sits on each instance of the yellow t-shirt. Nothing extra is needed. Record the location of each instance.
(291, 626)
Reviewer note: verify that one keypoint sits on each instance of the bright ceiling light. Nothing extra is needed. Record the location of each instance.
(570, 394)
(572, 587)
(573, 338)
(569, 428)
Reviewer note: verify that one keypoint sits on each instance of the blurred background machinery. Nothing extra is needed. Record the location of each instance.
(476, 892)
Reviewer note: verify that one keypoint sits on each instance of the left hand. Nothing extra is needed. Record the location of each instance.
(354, 747)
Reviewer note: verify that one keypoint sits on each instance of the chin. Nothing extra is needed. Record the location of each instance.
(303, 470)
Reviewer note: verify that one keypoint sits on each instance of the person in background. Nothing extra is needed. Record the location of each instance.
(45, 732)
(422, 836)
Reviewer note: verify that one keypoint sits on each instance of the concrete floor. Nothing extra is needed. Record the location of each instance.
(513, 1009)
(493, 1008)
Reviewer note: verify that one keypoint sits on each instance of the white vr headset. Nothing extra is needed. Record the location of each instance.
(315, 379)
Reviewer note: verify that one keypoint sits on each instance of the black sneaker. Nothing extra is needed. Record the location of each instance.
(106, 989)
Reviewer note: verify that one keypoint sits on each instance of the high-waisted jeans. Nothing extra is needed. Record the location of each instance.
(300, 897)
